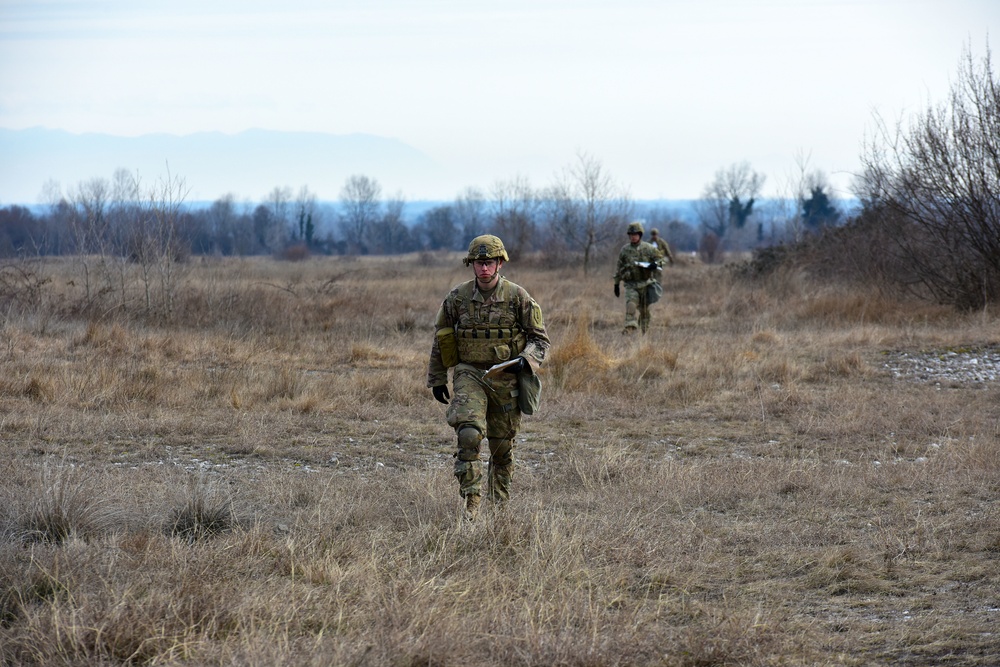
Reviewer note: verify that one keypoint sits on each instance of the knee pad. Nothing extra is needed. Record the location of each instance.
(468, 443)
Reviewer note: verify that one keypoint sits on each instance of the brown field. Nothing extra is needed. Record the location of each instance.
(252, 472)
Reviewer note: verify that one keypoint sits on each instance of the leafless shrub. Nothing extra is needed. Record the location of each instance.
(936, 186)
(21, 284)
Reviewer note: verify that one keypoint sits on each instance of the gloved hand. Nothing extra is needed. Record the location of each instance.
(518, 367)
(653, 266)
(618, 291)
(441, 393)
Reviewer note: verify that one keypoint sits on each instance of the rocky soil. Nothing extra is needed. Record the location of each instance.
(951, 367)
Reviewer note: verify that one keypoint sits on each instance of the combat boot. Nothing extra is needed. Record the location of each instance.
(472, 506)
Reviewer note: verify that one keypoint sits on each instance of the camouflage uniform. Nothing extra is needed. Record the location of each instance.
(637, 279)
(664, 247)
(487, 330)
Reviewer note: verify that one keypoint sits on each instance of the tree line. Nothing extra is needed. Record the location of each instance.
(581, 216)
(929, 223)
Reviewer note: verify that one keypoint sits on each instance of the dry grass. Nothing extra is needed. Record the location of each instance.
(264, 479)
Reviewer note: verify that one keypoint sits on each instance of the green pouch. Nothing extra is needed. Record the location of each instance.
(529, 392)
(448, 346)
(653, 292)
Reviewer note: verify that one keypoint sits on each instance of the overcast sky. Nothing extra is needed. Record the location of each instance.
(663, 93)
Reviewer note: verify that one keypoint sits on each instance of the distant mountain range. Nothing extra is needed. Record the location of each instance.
(248, 165)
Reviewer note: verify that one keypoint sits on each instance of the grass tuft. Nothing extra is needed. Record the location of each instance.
(64, 505)
(204, 512)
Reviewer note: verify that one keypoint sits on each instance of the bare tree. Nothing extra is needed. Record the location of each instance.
(936, 183)
(587, 208)
(90, 224)
(305, 217)
(167, 207)
(390, 234)
(59, 220)
(514, 206)
(123, 232)
(438, 230)
(728, 200)
(470, 215)
(222, 224)
(814, 205)
(157, 244)
(89, 229)
(361, 205)
(279, 201)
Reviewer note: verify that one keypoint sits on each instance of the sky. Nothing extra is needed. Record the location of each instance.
(663, 94)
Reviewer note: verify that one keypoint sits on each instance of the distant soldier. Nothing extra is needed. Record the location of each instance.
(661, 243)
(638, 264)
(482, 323)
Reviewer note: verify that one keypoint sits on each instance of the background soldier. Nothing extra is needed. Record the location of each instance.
(483, 322)
(638, 264)
(664, 247)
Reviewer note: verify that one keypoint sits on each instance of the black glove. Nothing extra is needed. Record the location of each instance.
(518, 367)
(441, 393)
(618, 291)
(653, 266)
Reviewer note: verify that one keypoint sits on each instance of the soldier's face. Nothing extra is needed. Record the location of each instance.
(486, 270)
(634, 237)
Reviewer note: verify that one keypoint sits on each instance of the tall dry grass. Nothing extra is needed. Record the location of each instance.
(264, 479)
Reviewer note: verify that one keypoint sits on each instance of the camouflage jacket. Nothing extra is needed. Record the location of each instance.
(643, 252)
(664, 247)
(509, 309)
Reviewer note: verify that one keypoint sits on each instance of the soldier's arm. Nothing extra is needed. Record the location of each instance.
(620, 268)
(660, 257)
(437, 372)
(666, 251)
(533, 325)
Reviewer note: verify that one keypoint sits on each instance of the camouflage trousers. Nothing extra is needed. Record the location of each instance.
(490, 411)
(636, 307)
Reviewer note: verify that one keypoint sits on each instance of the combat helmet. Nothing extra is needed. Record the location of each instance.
(634, 227)
(486, 246)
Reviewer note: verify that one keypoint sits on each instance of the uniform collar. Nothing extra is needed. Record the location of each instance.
(499, 292)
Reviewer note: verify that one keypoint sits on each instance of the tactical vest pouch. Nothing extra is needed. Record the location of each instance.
(529, 393)
(488, 346)
(448, 346)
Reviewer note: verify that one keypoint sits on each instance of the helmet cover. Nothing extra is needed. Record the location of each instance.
(486, 246)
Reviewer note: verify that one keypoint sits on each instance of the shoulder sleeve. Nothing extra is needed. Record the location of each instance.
(533, 325)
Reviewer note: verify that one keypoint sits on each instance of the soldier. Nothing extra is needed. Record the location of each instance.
(638, 264)
(661, 243)
(481, 323)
